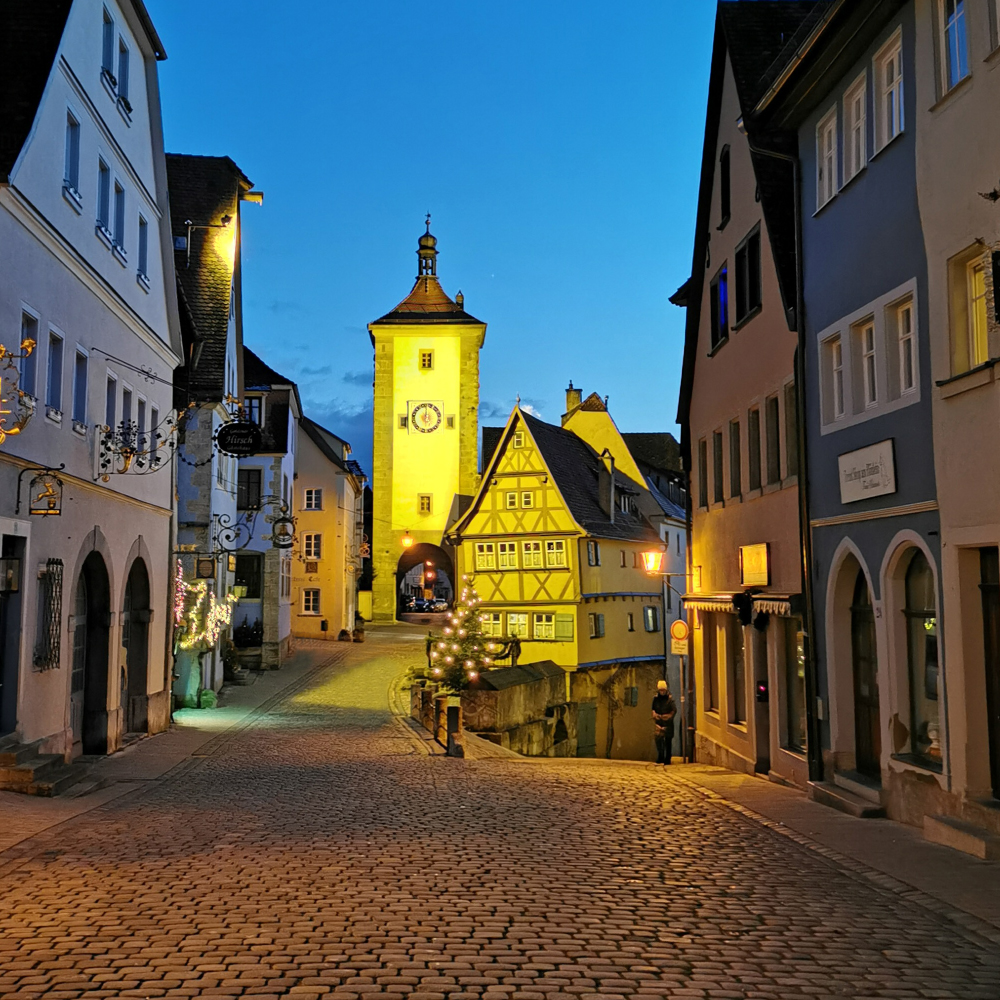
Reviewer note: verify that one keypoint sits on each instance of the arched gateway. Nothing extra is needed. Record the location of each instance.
(424, 572)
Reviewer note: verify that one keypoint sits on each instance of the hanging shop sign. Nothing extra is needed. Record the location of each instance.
(867, 472)
(241, 439)
(283, 533)
(45, 495)
(755, 565)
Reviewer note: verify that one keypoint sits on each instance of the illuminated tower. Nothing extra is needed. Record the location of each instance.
(426, 428)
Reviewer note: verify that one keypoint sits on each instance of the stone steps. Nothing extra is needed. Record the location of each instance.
(962, 836)
(23, 769)
(828, 793)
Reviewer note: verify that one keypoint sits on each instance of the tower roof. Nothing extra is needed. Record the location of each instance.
(428, 302)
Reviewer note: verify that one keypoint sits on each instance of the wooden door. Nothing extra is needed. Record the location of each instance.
(78, 623)
(989, 569)
(586, 730)
(867, 727)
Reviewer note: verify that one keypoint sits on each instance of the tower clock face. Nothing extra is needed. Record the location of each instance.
(425, 418)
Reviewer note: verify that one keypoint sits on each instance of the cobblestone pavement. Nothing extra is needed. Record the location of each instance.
(317, 851)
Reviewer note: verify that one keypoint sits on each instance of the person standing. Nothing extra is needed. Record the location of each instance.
(664, 711)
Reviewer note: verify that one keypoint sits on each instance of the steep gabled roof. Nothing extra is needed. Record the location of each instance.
(491, 438)
(427, 303)
(657, 450)
(203, 190)
(259, 375)
(318, 435)
(30, 32)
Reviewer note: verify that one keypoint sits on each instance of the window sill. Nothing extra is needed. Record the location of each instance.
(119, 254)
(993, 59)
(772, 487)
(142, 280)
(79, 427)
(972, 379)
(736, 499)
(850, 180)
(126, 115)
(104, 235)
(740, 727)
(754, 494)
(51, 413)
(110, 83)
(718, 347)
(826, 204)
(789, 481)
(947, 95)
(886, 145)
(73, 198)
(921, 762)
(740, 323)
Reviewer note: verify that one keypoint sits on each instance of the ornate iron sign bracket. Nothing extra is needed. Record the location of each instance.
(45, 490)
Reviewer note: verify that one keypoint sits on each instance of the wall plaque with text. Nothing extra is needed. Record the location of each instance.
(755, 565)
(867, 472)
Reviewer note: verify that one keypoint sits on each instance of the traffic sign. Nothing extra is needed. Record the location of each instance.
(679, 630)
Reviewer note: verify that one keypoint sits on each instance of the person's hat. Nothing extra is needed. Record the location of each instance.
(661, 685)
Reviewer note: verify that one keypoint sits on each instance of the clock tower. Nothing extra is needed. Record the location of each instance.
(426, 433)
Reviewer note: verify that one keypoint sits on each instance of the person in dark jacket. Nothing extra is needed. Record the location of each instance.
(664, 711)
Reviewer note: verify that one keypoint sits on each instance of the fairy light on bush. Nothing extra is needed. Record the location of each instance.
(462, 645)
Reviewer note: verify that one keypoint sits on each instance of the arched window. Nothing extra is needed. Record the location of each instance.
(922, 657)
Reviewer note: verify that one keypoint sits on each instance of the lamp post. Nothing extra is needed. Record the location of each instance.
(652, 563)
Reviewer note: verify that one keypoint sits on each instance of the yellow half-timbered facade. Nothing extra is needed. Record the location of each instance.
(553, 542)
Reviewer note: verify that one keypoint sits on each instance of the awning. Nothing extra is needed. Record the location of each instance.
(772, 604)
(709, 602)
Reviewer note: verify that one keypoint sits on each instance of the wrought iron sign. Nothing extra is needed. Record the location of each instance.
(45, 491)
(14, 401)
(132, 449)
(234, 535)
(240, 439)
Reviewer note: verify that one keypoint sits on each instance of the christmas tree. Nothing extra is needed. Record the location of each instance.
(462, 650)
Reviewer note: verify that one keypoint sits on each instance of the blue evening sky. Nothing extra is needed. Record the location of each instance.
(555, 142)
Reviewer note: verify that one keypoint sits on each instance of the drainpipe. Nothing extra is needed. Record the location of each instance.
(814, 751)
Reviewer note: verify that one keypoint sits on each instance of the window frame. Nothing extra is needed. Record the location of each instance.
(593, 552)
(755, 471)
(977, 337)
(533, 556)
(749, 285)
(703, 474)
(142, 244)
(556, 556)
(719, 308)
(855, 128)
(28, 366)
(890, 53)
(80, 400)
(108, 44)
(307, 594)
(718, 463)
(55, 371)
(518, 625)
(256, 559)
(595, 621)
(510, 500)
(725, 186)
(492, 624)
(651, 618)
(312, 545)
(119, 208)
(71, 165)
(735, 460)
(111, 401)
(772, 440)
(507, 555)
(425, 504)
(864, 333)
(826, 159)
(124, 57)
(906, 345)
(947, 83)
(485, 557)
(527, 500)
(104, 187)
(245, 477)
(312, 498)
(543, 625)
(425, 354)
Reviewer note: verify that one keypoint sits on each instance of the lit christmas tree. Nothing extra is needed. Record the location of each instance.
(462, 650)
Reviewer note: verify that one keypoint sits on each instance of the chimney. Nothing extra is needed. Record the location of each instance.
(573, 399)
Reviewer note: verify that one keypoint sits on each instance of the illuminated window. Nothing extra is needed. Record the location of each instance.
(555, 553)
(314, 500)
(630, 620)
(510, 501)
(426, 360)
(532, 555)
(968, 313)
(517, 624)
(312, 545)
(507, 555)
(545, 626)
(423, 503)
(492, 623)
(527, 500)
(719, 292)
(978, 346)
(651, 618)
(596, 622)
(310, 602)
(486, 558)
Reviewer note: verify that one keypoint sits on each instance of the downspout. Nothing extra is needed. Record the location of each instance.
(814, 751)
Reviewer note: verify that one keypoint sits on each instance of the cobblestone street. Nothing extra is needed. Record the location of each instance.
(316, 849)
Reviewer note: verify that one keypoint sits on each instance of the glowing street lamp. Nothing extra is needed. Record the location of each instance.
(407, 540)
(652, 562)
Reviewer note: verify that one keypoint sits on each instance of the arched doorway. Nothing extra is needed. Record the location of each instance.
(135, 640)
(864, 662)
(424, 573)
(90, 624)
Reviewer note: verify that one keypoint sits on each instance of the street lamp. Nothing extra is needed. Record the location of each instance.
(407, 540)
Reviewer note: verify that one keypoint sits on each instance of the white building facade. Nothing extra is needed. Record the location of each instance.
(88, 275)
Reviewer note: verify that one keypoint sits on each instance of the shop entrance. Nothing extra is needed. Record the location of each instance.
(867, 728)
(135, 639)
(989, 586)
(90, 624)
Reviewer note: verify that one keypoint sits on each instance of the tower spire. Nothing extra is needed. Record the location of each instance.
(427, 252)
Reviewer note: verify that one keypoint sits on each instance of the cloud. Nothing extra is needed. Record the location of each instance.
(528, 408)
(283, 306)
(350, 421)
(492, 411)
(322, 370)
(358, 378)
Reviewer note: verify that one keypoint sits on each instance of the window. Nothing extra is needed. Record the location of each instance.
(855, 138)
(737, 673)
(254, 406)
(154, 441)
(122, 69)
(486, 556)
(753, 448)
(126, 405)
(492, 622)
(622, 559)
(954, 42)
(545, 626)
(140, 421)
(119, 234)
(426, 360)
(532, 555)
(248, 483)
(108, 49)
(103, 196)
(702, 473)
(449, 421)
(865, 335)
(423, 503)
(80, 388)
(834, 351)
(978, 344)
(510, 501)
(111, 403)
(285, 577)
(725, 196)
(143, 268)
(735, 470)
(630, 621)
(922, 656)
(826, 159)
(889, 91)
(651, 618)
(719, 293)
(517, 624)
(53, 385)
(993, 11)
(795, 686)
(748, 276)
(714, 659)
(312, 545)
(507, 555)
(555, 553)
(968, 314)
(313, 500)
(593, 553)
(596, 622)
(310, 601)
(907, 348)
(71, 176)
(518, 439)
(717, 484)
(773, 440)
(564, 627)
(791, 431)
(250, 574)
(28, 381)
(527, 501)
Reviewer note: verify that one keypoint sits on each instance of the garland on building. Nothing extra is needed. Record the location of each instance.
(462, 650)
(199, 617)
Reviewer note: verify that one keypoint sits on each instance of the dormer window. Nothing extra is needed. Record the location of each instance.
(255, 409)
